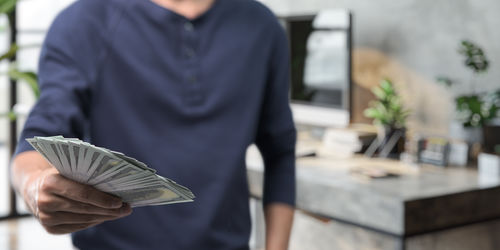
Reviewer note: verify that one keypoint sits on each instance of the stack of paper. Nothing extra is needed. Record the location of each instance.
(345, 142)
(109, 171)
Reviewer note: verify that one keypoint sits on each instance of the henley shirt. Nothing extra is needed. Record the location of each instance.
(185, 96)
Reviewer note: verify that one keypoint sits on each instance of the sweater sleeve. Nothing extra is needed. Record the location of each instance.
(276, 133)
(65, 71)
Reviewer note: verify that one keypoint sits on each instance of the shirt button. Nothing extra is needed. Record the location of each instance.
(190, 53)
(188, 26)
(192, 79)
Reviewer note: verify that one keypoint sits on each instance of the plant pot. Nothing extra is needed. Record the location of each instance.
(387, 135)
(491, 137)
(471, 135)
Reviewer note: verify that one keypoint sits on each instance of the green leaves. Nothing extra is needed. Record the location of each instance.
(387, 87)
(476, 110)
(475, 59)
(445, 80)
(27, 76)
(388, 108)
(11, 115)
(7, 6)
(10, 53)
(30, 78)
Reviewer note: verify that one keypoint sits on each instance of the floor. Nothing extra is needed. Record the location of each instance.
(25, 233)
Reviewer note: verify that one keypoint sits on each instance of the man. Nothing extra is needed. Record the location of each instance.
(183, 85)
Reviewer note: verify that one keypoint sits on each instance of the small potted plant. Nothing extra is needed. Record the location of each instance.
(474, 110)
(389, 116)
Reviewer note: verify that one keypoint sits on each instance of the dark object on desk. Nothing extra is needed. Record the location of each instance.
(393, 142)
(491, 137)
(443, 152)
(433, 150)
(390, 144)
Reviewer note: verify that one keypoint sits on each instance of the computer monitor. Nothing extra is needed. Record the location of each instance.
(320, 67)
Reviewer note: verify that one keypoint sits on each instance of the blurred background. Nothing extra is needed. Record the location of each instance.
(396, 103)
(23, 25)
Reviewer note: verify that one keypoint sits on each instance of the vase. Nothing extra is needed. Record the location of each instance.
(388, 133)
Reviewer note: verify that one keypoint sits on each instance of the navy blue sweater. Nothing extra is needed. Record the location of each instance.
(187, 97)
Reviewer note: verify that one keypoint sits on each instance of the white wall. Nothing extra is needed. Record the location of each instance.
(422, 34)
(413, 42)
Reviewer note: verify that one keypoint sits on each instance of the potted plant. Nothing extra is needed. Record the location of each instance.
(389, 116)
(7, 7)
(474, 110)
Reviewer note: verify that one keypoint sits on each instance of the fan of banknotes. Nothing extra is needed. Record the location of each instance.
(110, 172)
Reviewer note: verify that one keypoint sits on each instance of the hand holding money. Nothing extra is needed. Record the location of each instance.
(63, 205)
(87, 184)
(109, 171)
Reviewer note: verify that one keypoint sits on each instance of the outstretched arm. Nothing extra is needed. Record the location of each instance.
(62, 205)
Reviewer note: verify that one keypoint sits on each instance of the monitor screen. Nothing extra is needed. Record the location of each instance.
(320, 72)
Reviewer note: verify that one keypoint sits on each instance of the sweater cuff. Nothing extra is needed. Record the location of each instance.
(279, 182)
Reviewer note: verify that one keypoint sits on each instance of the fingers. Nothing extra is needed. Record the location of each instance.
(69, 228)
(59, 185)
(59, 215)
(63, 218)
(82, 217)
(65, 206)
(52, 203)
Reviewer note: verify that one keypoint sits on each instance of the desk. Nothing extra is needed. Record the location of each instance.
(424, 208)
